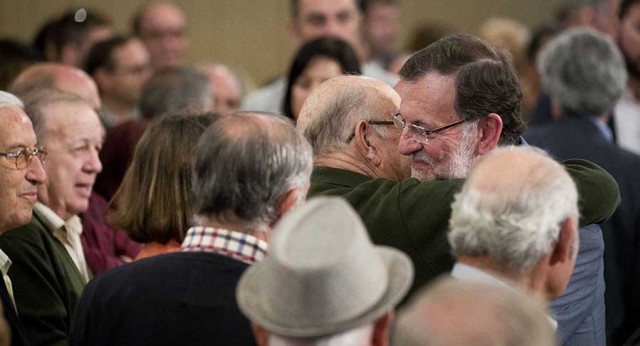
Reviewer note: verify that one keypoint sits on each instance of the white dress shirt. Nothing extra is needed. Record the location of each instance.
(68, 233)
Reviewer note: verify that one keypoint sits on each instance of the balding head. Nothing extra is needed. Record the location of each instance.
(247, 165)
(461, 312)
(226, 88)
(517, 208)
(352, 117)
(57, 76)
(332, 110)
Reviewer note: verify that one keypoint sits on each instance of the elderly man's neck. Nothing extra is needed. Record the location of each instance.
(262, 231)
(349, 161)
(532, 281)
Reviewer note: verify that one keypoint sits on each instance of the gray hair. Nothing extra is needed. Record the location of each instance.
(513, 219)
(484, 314)
(246, 163)
(37, 101)
(356, 336)
(331, 112)
(175, 90)
(583, 71)
(10, 100)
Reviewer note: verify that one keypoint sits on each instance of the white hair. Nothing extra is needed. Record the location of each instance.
(514, 223)
(11, 100)
(356, 336)
(583, 71)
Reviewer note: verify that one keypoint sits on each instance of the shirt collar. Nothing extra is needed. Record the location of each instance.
(5, 263)
(237, 245)
(463, 271)
(52, 221)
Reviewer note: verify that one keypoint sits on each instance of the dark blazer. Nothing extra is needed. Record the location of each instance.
(413, 216)
(46, 282)
(575, 135)
(17, 334)
(185, 298)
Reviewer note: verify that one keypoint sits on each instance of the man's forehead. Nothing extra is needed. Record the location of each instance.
(14, 126)
(325, 7)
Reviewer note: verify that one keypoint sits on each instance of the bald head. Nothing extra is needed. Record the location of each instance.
(226, 88)
(162, 26)
(57, 76)
(461, 312)
(333, 109)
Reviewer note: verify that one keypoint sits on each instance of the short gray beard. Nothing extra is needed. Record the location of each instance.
(458, 165)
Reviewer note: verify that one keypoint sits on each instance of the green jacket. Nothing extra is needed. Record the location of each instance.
(413, 216)
(46, 283)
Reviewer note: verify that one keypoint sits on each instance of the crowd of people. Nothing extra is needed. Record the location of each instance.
(482, 186)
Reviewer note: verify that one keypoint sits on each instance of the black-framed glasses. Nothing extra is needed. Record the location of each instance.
(22, 158)
(419, 133)
(371, 122)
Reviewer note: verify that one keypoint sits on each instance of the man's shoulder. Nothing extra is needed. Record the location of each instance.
(155, 269)
(267, 98)
(33, 233)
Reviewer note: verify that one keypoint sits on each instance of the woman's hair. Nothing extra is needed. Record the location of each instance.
(154, 203)
(326, 47)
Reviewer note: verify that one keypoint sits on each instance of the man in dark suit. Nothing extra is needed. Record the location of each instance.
(585, 75)
(250, 169)
(20, 174)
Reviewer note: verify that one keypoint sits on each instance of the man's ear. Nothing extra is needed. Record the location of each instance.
(490, 130)
(289, 202)
(260, 334)
(363, 141)
(381, 330)
(564, 248)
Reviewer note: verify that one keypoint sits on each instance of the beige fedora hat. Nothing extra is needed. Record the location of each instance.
(322, 275)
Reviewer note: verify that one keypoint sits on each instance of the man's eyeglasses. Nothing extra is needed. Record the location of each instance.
(419, 133)
(371, 122)
(22, 158)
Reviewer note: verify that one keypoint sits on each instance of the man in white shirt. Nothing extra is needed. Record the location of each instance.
(21, 173)
(49, 263)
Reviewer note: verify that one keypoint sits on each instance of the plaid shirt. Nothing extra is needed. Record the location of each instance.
(237, 245)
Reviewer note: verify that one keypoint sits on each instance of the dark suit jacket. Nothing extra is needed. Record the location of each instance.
(575, 135)
(46, 282)
(17, 334)
(413, 216)
(185, 298)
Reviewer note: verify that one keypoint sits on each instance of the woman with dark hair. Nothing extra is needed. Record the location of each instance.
(315, 62)
(154, 203)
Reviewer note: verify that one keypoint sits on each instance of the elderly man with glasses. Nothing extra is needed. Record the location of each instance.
(49, 268)
(406, 213)
(21, 173)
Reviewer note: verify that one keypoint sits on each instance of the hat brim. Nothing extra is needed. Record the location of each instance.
(250, 302)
